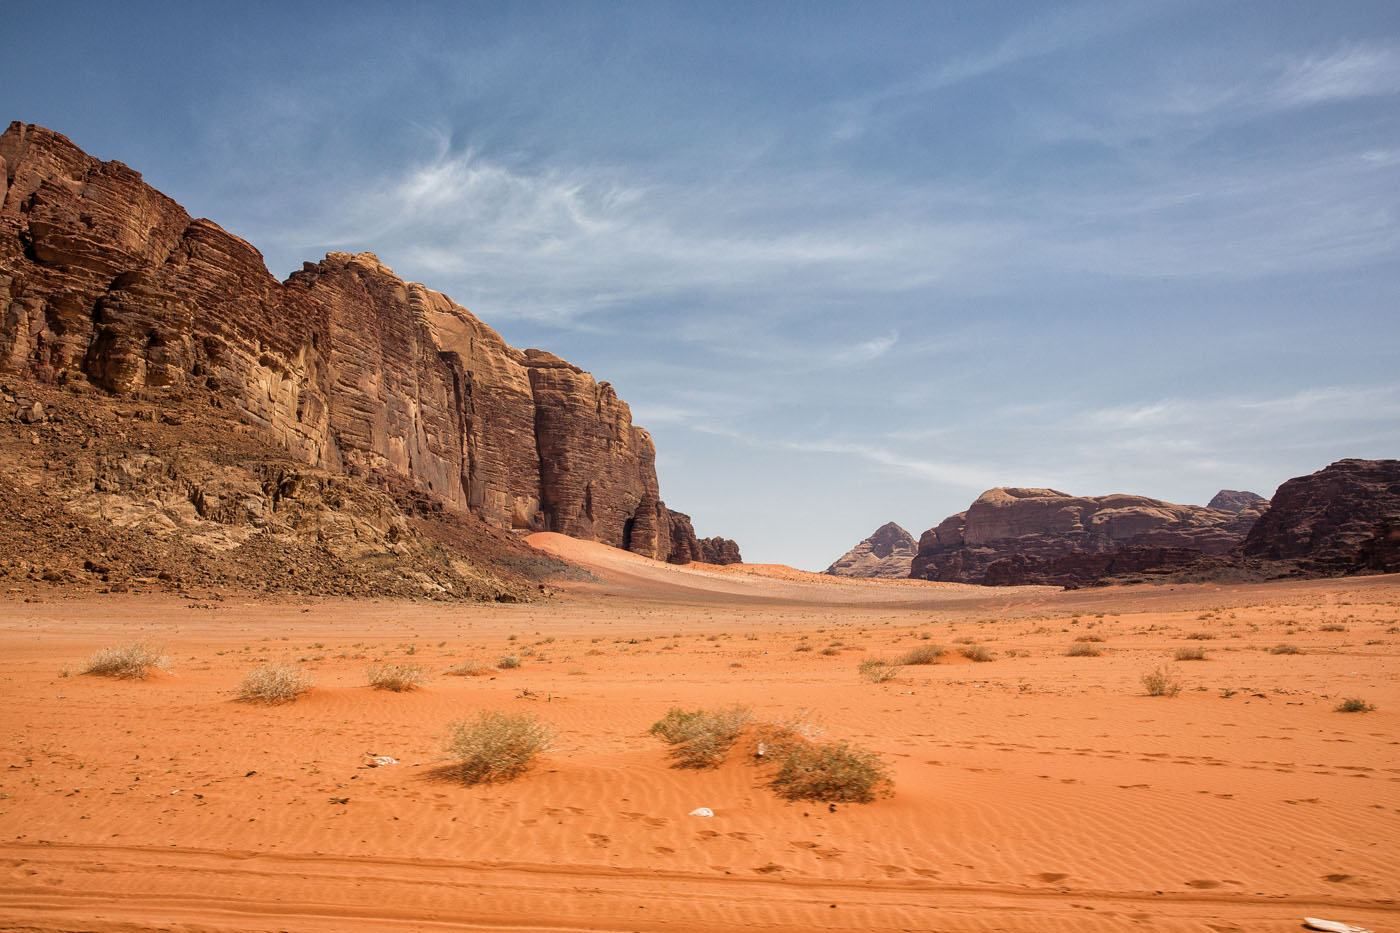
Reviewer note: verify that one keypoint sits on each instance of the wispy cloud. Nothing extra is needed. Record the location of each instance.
(1352, 71)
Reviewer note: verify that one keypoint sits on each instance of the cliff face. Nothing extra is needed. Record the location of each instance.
(1345, 518)
(105, 280)
(887, 553)
(1014, 536)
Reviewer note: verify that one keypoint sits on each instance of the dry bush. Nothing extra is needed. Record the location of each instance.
(1097, 638)
(1201, 636)
(877, 670)
(1332, 627)
(399, 678)
(273, 683)
(128, 662)
(979, 653)
(1285, 649)
(1161, 682)
(496, 746)
(1083, 650)
(802, 646)
(1354, 705)
(469, 669)
(509, 662)
(830, 772)
(1190, 654)
(701, 738)
(923, 654)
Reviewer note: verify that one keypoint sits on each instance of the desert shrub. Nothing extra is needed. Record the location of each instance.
(129, 662)
(877, 670)
(399, 678)
(496, 746)
(1190, 654)
(700, 738)
(1354, 705)
(1083, 650)
(1097, 638)
(1285, 649)
(830, 772)
(829, 651)
(1201, 636)
(273, 683)
(1161, 682)
(979, 653)
(469, 669)
(802, 646)
(923, 654)
(509, 662)
(1332, 627)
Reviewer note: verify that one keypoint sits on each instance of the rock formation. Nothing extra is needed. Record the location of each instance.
(1345, 518)
(887, 553)
(1235, 500)
(351, 370)
(720, 551)
(1014, 536)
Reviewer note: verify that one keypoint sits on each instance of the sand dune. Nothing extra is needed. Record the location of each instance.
(1035, 792)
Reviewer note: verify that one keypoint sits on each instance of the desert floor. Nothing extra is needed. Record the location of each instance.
(1036, 792)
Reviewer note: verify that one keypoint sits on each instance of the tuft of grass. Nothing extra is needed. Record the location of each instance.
(701, 738)
(1161, 682)
(830, 772)
(1201, 636)
(877, 670)
(1354, 705)
(469, 669)
(1285, 649)
(1190, 654)
(496, 746)
(1097, 638)
(1083, 650)
(802, 646)
(273, 683)
(978, 653)
(1332, 627)
(127, 662)
(923, 654)
(509, 662)
(399, 678)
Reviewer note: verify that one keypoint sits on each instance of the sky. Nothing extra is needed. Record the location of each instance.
(849, 263)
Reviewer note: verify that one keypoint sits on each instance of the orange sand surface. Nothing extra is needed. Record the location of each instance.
(1036, 792)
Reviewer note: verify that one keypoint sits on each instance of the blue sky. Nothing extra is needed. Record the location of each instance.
(850, 263)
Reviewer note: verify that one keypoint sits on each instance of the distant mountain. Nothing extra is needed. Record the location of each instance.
(1236, 500)
(886, 553)
(1016, 535)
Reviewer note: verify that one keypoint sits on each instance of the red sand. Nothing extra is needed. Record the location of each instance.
(1037, 792)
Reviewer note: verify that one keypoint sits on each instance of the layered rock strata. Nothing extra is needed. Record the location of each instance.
(887, 553)
(105, 280)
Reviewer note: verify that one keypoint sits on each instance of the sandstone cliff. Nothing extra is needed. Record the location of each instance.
(351, 370)
(720, 551)
(1014, 536)
(1236, 500)
(1345, 518)
(887, 553)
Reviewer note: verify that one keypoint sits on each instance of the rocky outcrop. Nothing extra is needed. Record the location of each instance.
(1235, 500)
(1345, 518)
(350, 369)
(888, 553)
(1016, 536)
(720, 551)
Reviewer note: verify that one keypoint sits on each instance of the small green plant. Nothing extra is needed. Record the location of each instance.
(127, 662)
(1285, 649)
(701, 738)
(1084, 650)
(496, 746)
(1190, 654)
(830, 772)
(273, 683)
(877, 670)
(1354, 705)
(1161, 682)
(400, 678)
(509, 662)
(979, 653)
(923, 654)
